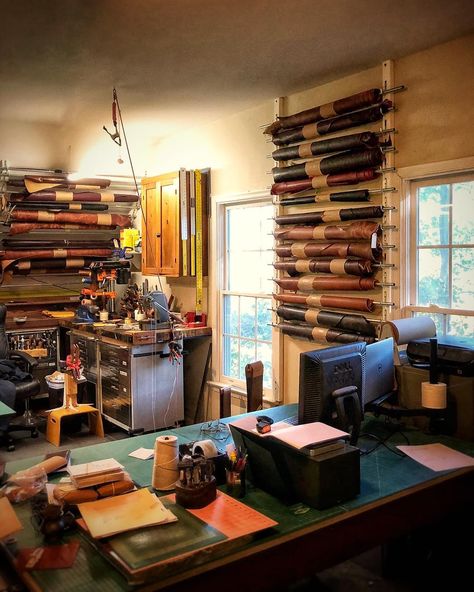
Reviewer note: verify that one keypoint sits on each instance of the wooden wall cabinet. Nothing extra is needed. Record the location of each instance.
(160, 225)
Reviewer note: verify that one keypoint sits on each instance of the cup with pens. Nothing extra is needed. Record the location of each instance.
(235, 470)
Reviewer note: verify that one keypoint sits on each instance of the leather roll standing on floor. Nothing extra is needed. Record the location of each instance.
(326, 216)
(303, 250)
(338, 163)
(308, 283)
(359, 267)
(331, 300)
(338, 179)
(360, 141)
(363, 230)
(344, 105)
(329, 126)
(326, 318)
(322, 334)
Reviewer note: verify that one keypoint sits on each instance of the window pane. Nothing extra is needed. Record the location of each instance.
(459, 325)
(247, 355)
(463, 284)
(433, 277)
(247, 317)
(433, 215)
(231, 314)
(264, 353)
(231, 357)
(264, 319)
(463, 213)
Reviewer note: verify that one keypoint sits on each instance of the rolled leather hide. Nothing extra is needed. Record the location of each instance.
(59, 206)
(338, 163)
(83, 196)
(363, 140)
(58, 243)
(24, 227)
(308, 283)
(15, 254)
(348, 178)
(322, 334)
(329, 126)
(325, 216)
(358, 267)
(343, 196)
(305, 250)
(86, 218)
(333, 301)
(26, 266)
(326, 318)
(354, 231)
(35, 183)
(345, 105)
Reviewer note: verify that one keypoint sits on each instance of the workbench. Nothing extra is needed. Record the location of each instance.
(397, 495)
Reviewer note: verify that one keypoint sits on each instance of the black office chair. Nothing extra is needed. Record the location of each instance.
(17, 379)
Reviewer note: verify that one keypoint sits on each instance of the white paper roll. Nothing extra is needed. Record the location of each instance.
(205, 447)
(405, 330)
(165, 466)
(433, 396)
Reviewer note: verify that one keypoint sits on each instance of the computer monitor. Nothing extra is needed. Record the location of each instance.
(331, 387)
(380, 371)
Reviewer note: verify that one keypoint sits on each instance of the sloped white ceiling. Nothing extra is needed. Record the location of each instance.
(179, 62)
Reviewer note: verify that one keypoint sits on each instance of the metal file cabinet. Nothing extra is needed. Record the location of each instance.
(138, 388)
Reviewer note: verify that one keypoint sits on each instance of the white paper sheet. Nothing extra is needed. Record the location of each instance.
(438, 457)
(143, 453)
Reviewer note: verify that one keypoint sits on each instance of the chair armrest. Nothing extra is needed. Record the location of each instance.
(30, 361)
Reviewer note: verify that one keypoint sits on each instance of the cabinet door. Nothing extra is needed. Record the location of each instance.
(170, 243)
(151, 227)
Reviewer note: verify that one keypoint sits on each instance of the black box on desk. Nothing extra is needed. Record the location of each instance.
(291, 474)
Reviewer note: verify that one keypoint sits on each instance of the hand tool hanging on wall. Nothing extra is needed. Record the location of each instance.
(326, 318)
(359, 267)
(345, 105)
(348, 178)
(331, 300)
(305, 250)
(338, 163)
(325, 216)
(354, 231)
(322, 334)
(116, 135)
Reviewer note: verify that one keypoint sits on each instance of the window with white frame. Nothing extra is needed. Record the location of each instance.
(442, 252)
(246, 332)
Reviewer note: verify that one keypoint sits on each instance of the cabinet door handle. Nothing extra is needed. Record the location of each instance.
(158, 235)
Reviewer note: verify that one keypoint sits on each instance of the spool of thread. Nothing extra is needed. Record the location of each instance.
(206, 448)
(165, 465)
(104, 315)
(433, 396)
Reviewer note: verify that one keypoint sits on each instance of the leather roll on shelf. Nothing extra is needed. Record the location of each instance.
(322, 334)
(326, 318)
(27, 266)
(337, 196)
(58, 206)
(81, 196)
(14, 254)
(333, 301)
(24, 227)
(325, 216)
(344, 105)
(308, 283)
(330, 165)
(363, 230)
(329, 126)
(358, 267)
(85, 218)
(35, 183)
(304, 250)
(360, 141)
(338, 179)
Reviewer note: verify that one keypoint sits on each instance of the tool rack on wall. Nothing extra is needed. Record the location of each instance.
(337, 217)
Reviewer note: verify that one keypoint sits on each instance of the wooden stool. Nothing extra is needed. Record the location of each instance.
(53, 427)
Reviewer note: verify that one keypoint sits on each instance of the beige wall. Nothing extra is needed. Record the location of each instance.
(434, 118)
